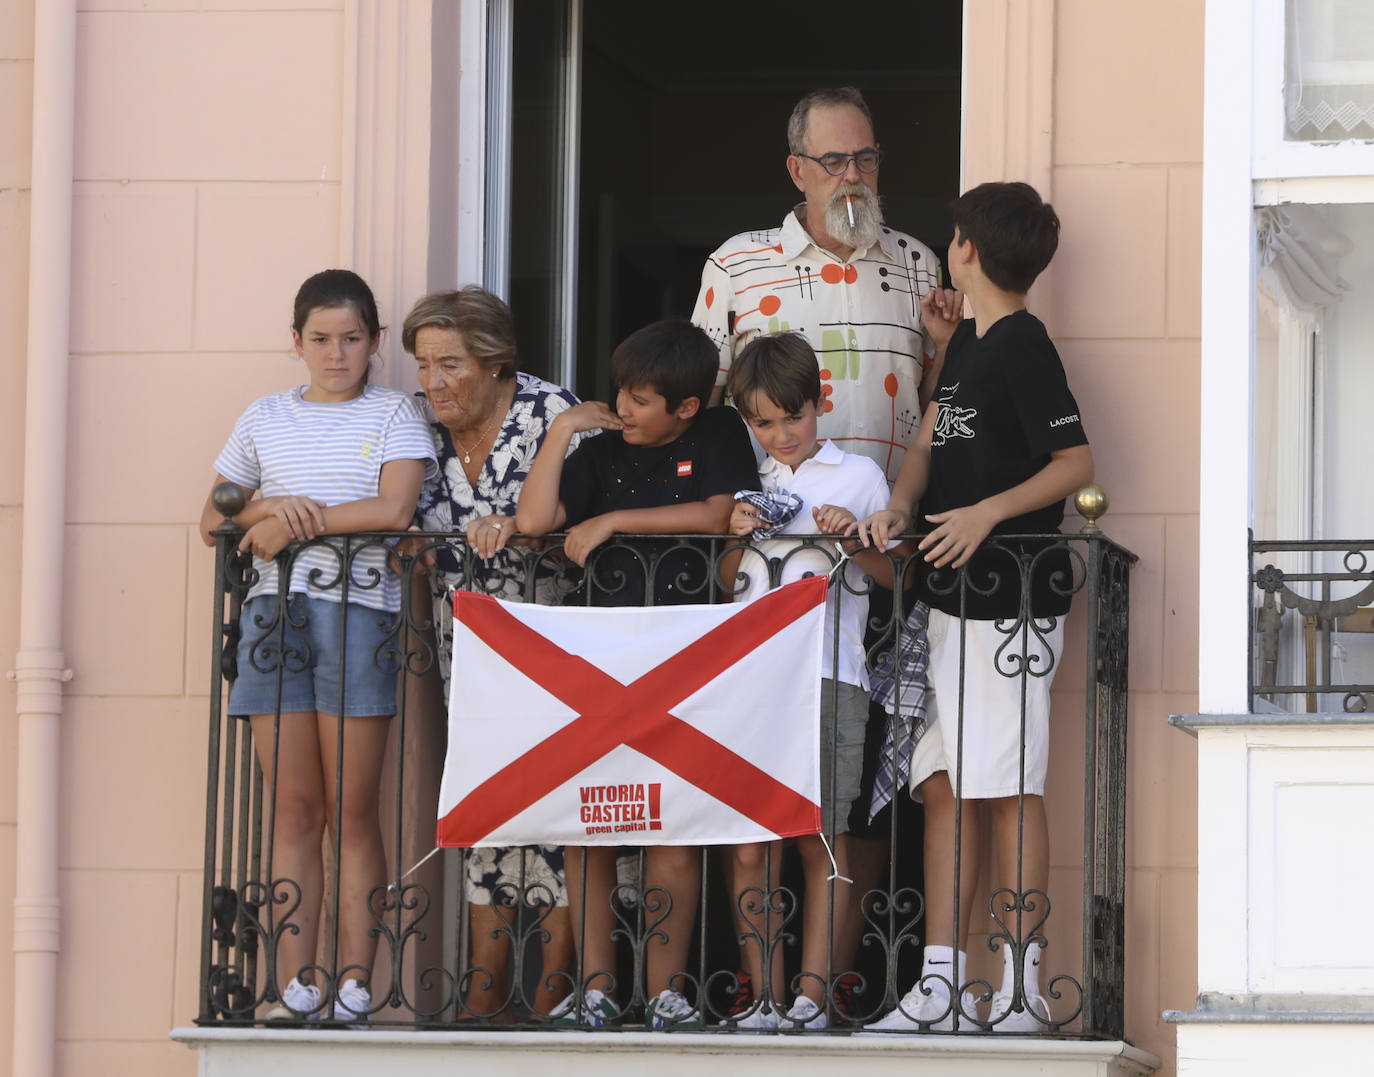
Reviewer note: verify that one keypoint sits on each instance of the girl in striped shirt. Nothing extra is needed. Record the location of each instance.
(319, 656)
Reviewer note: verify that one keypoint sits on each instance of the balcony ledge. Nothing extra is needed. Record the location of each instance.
(1193, 723)
(225, 1052)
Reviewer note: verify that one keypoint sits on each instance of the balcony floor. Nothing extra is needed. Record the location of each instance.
(226, 1052)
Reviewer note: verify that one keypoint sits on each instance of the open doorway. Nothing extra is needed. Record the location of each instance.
(678, 141)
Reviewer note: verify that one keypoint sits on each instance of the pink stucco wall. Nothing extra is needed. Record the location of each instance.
(1126, 316)
(201, 203)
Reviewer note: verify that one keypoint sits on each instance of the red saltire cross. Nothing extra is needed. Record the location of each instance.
(635, 714)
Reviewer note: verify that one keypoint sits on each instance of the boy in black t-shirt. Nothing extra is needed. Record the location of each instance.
(997, 454)
(663, 464)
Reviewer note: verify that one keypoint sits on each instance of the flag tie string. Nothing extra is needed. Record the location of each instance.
(391, 887)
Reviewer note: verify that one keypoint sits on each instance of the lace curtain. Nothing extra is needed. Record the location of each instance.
(1329, 85)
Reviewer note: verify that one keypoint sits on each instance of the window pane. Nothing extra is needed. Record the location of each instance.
(1329, 84)
(1313, 385)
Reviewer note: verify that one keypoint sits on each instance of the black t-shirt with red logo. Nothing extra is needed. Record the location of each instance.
(604, 474)
(1004, 407)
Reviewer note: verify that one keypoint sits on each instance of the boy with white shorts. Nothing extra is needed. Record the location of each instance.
(996, 456)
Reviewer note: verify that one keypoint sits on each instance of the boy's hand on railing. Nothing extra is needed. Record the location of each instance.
(959, 533)
(834, 520)
(587, 536)
(303, 516)
(744, 519)
(266, 538)
(488, 535)
(880, 528)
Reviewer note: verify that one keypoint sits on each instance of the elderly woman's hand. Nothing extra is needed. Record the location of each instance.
(488, 535)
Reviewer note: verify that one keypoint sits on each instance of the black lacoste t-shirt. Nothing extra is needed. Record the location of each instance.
(1004, 407)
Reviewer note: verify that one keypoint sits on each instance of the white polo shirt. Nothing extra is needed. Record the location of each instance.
(831, 477)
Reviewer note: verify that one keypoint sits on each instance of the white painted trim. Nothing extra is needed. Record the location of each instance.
(1315, 190)
(472, 142)
(1222, 812)
(677, 1054)
(1298, 429)
(1273, 1050)
(497, 129)
(571, 155)
(1227, 383)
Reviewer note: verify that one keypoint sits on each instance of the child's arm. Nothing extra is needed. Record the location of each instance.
(539, 509)
(962, 531)
(303, 516)
(711, 516)
(882, 527)
(393, 507)
(838, 520)
(744, 520)
(942, 309)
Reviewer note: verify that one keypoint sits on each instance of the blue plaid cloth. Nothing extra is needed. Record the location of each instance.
(775, 507)
(899, 684)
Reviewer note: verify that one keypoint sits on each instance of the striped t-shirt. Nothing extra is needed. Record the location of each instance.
(332, 453)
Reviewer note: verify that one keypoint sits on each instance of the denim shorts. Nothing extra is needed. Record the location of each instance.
(306, 646)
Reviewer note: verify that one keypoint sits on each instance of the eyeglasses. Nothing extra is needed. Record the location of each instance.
(866, 161)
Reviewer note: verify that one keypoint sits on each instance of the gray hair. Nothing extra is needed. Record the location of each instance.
(480, 318)
(832, 98)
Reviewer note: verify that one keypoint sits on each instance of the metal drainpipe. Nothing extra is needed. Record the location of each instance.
(39, 665)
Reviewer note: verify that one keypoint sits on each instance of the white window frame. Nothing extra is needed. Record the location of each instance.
(1246, 163)
(1274, 156)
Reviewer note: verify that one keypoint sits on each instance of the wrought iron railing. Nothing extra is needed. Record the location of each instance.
(425, 974)
(1312, 618)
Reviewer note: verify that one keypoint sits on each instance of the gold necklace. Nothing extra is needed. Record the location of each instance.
(467, 453)
(499, 413)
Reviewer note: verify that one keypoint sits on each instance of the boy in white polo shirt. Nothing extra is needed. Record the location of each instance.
(775, 384)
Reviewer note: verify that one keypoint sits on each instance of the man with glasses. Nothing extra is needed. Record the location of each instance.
(836, 274)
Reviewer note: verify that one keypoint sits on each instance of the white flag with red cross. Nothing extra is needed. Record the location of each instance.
(671, 725)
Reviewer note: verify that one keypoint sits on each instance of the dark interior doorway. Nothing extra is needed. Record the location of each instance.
(683, 143)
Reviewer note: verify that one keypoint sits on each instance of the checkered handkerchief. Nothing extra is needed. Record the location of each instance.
(899, 684)
(776, 507)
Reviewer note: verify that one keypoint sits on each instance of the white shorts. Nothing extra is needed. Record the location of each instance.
(993, 685)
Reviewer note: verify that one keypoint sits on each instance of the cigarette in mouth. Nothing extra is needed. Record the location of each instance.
(849, 205)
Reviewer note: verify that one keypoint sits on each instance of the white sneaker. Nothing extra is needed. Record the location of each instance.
(1033, 1019)
(299, 1002)
(353, 1005)
(804, 1014)
(917, 1008)
(763, 1019)
(670, 1009)
(597, 1010)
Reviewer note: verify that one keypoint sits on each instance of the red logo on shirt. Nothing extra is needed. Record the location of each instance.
(684, 468)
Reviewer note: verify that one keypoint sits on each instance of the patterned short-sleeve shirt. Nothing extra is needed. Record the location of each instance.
(862, 316)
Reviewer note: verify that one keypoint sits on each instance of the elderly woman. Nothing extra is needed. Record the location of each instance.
(488, 421)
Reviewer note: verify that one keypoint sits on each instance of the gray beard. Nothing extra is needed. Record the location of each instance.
(868, 216)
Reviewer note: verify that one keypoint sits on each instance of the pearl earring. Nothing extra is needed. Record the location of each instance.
(493, 373)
